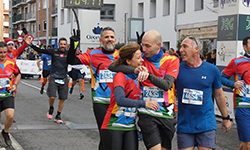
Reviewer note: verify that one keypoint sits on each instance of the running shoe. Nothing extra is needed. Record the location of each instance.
(71, 90)
(41, 91)
(58, 119)
(14, 121)
(81, 96)
(6, 138)
(50, 113)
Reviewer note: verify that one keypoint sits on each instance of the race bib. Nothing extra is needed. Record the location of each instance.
(248, 91)
(49, 62)
(59, 81)
(106, 76)
(4, 82)
(153, 94)
(130, 112)
(191, 96)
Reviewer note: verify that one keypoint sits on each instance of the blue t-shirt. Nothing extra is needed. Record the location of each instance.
(46, 61)
(195, 104)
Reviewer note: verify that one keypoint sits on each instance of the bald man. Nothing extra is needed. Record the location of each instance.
(158, 126)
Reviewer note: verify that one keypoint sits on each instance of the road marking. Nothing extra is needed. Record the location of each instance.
(30, 85)
(15, 144)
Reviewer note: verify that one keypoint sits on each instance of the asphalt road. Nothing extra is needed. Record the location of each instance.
(33, 131)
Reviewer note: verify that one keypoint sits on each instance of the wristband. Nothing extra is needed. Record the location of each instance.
(226, 118)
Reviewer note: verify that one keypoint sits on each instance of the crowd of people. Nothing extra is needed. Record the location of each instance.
(135, 87)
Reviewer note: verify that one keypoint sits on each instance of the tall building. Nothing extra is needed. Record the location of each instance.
(4, 21)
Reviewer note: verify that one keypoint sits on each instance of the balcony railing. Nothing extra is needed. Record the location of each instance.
(29, 1)
(18, 18)
(15, 2)
(54, 9)
(54, 31)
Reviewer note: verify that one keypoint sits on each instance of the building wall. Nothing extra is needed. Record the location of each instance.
(162, 23)
(1, 20)
(90, 19)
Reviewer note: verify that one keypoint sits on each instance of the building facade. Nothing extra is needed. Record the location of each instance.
(4, 21)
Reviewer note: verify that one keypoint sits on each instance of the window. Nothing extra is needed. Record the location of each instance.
(62, 16)
(181, 6)
(198, 4)
(152, 8)
(34, 28)
(38, 6)
(166, 45)
(107, 12)
(4, 17)
(166, 7)
(216, 3)
(44, 25)
(140, 10)
(3, 29)
(69, 16)
(39, 26)
(44, 4)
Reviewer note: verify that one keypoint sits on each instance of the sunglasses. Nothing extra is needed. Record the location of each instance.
(193, 38)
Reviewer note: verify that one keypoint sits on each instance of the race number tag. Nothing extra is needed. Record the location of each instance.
(130, 112)
(106, 76)
(153, 94)
(4, 82)
(49, 62)
(248, 91)
(59, 81)
(191, 96)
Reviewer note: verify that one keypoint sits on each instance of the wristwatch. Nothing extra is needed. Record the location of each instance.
(226, 118)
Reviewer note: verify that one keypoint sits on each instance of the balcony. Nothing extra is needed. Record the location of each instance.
(18, 19)
(31, 16)
(16, 3)
(54, 31)
(54, 10)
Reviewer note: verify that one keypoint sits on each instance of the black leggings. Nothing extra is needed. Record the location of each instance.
(100, 112)
(124, 140)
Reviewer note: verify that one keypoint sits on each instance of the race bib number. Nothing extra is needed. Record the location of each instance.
(248, 91)
(191, 96)
(130, 112)
(106, 76)
(4, 82)
(59, 81)
(49, 62)
(153, 94)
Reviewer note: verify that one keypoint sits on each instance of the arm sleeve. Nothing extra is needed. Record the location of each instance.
(121, 100)
(71, 58)
(20, 49)
(121, 68)
(41, 50)
(164, 84)
(225, 80)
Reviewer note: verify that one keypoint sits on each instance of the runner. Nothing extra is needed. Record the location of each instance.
(58, 80)
(7, 69)
(76, 74)
(46, 68)
(101, 78)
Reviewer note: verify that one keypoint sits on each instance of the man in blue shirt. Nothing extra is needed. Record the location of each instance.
(46, 68)
(195, 83)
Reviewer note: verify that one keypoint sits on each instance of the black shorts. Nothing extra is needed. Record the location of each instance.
(157, 130)
(62, 89)
(46, 73)
(7, 102)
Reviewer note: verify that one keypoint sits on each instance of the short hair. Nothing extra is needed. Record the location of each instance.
(126, 52)
(62, 39)
(3, 44)
(196, 42)
(105, 29)
(246, 39)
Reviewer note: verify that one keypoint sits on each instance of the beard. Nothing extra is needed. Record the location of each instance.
(107, 47)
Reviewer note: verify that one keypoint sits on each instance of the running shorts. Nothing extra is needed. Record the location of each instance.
(62, 89)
